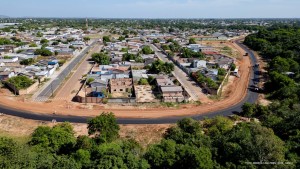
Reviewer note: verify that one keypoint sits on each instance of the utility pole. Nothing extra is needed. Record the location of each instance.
(51, 89)
(85, 92)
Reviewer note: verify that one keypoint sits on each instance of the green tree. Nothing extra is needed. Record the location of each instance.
(221, 72)
(83, 157)
(121, 38)
(217, 126)
(60, 138)
(27, 61)
(147, 50)
(279, 64)
(168, 154)
(4, 41)
(20, 82)
(104, 127)
(124, 50)
(55, 43)
(44, 41)
(15, 155)
(143, 81)
(86, 39)
(39, 34)
(192, 41)
(90, 80)
(33, 45)
(101, 58)
(106, 39)
(159, 66)
(250, 142)
(232, 67)
(43, 52)
(156, 41)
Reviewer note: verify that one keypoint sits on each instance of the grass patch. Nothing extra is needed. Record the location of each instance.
(167, 104)
(20, 139)
(215, 97)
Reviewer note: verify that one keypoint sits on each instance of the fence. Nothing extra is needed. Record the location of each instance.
(122, 100)
(221, 86)
(16, 91)
(87, 99)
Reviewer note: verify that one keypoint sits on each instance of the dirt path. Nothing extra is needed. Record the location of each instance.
(240, 90)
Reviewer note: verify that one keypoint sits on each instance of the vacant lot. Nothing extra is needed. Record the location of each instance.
(22, 128)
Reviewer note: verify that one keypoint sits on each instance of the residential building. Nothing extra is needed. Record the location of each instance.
(120, 85)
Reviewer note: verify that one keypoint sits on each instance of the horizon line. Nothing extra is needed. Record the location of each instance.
(38, 17)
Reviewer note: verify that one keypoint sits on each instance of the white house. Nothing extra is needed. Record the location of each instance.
(199, 63)
(8, 59)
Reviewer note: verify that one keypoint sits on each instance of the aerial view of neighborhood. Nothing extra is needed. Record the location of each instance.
(158, 90)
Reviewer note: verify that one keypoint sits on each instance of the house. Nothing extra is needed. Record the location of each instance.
(7, 48)
(99, 86)
(120, 85)
(8, 59)
(223, 61)
(199, 63)
(163, 81)
(98, 92)
(99, 83)
(6, 73)
(219, 36)
(65, 52)
(138, 74)
(78, 44)
(194, 47)
(170, 92)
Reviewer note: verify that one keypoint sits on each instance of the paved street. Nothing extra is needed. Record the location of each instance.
(189, 85)
(73, 84)
(51, 87)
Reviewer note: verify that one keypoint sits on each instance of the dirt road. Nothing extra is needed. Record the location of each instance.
(240, 90)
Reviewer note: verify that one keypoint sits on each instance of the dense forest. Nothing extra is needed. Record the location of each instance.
(212, 143)
(280, 47)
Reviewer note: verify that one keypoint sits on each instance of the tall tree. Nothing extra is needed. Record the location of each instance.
(104, 127)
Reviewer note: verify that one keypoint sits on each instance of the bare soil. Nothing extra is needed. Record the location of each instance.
(23, 128)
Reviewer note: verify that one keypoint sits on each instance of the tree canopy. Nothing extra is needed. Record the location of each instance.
(101, 58)
(159, 66)
(20, 82)
(147, 50)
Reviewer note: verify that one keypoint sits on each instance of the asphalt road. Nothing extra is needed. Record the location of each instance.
(251, 97)
(193, 89)
(65, 92)
(53, 86)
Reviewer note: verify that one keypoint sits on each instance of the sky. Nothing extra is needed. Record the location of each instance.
(152, 8)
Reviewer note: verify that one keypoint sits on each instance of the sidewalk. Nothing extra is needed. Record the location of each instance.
(57, 73)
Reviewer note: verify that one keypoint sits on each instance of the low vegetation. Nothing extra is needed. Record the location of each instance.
(20, 82)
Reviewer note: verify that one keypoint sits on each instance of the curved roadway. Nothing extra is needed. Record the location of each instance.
(251, 97)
